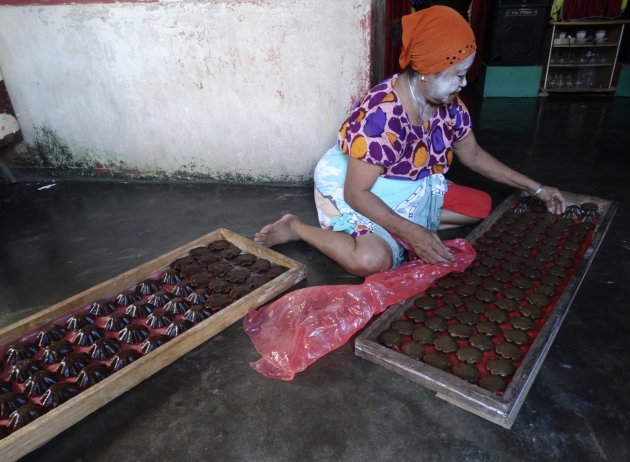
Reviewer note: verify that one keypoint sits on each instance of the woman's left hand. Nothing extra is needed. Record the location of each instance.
(553, 199)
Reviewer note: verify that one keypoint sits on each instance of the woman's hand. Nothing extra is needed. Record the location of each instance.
(553, 199)
(428, 246)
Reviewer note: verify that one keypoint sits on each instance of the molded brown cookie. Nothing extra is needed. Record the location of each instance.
(482, 342)
(465, 290)
(467, 372)
(423, 335)
(544, 289)
(538, 299)
(460, 331)
(390, 338)
(403, 327)
(177, 327)
(416, 315)
(500, 366)
(159, 318)
(507, 304)
(153, 342)
(438, 360)
(92, 374)
(435, 292)
(122, 359)
(25, 414)
(508, 350)
(148, 286)
(197, 313)
(445, 344)
(23, 369)
(260, 266)
(446, 282)
(133, 333)
(468, 317)
(472, 279)
(522, 322)
(493, 383)
(139, 309)
(102, 308)
(514, 293)
(488, 328)
(469, 354)
(425, 303)
(39, 382)
(502, 276)
(104, 348)
(176, 306)
(72, 364)
(485, 296)
(413, 350)
(51, 334)
(453, 300)
(87, 335)
(56, 351)
(517, 336)
(160, 298)
(498, 316)
(446, 312)
(59, 393)
(76, 322)
(482, 271)
(170, 276)
(521, 282)
(532, 311)
(476, 306)
(436, 324)
(117, 321)
(182, 289)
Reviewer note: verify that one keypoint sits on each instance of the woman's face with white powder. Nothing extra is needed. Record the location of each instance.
(443, 87)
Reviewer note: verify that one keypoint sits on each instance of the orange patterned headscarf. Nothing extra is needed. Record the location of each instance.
(435, 38)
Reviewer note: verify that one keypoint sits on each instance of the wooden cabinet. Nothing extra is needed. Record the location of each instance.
(581, 56)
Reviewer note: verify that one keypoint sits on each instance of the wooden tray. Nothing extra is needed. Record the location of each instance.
(38, 432)
(501, 410)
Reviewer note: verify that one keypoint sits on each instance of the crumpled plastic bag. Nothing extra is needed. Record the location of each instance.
(304, 325)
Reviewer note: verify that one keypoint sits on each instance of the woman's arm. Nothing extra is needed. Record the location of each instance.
(477, 159)
(357, 190)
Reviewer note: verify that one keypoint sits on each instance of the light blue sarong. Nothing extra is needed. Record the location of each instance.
(419, 201)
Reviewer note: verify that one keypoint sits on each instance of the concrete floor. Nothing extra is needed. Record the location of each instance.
(210, 405)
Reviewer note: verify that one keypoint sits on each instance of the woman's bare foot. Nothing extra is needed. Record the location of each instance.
(280, 232)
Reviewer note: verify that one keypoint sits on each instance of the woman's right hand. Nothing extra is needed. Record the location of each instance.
(428, 246)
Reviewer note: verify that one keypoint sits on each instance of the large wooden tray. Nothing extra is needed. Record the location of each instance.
(35, 434)
(501, 410)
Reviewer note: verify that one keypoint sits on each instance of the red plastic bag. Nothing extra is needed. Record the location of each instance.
(301, 327)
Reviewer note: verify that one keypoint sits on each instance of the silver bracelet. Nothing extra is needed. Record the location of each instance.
(536, 191)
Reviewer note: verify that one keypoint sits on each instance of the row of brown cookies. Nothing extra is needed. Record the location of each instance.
(67, 357)
(478, 324)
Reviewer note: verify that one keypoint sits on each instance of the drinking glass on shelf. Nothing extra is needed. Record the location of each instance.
(560, 81)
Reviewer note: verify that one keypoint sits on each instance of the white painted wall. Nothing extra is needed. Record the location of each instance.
(209, 88)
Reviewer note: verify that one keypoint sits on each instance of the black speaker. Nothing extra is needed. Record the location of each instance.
(515, 32)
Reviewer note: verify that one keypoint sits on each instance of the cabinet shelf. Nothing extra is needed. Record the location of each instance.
(582, 65)
(574, 89)
(593, 64)
(588, 45)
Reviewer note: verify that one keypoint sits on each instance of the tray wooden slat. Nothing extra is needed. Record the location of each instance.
(35, 434)
(501, 410)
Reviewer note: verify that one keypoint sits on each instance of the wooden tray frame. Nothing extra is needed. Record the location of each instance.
(501, 410)
(38, 432)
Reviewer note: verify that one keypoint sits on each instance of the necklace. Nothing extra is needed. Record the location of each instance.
(413, 96)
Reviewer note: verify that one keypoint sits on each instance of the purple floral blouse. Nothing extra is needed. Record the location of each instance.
(379, 132)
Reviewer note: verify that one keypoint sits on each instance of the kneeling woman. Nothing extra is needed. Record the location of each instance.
(381, 190)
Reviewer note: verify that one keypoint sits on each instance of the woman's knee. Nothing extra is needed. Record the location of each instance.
(371, 260)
